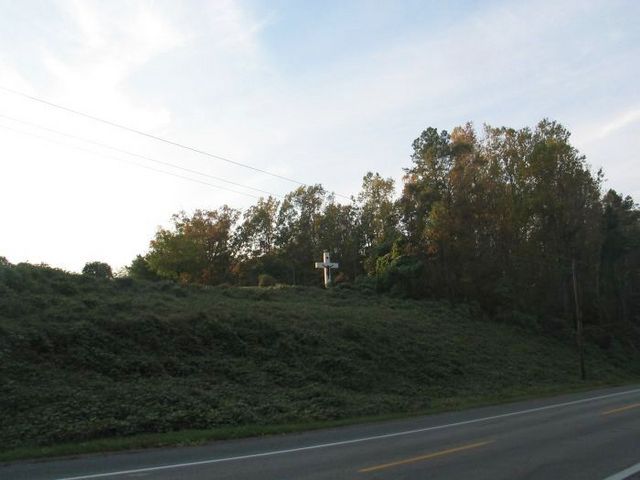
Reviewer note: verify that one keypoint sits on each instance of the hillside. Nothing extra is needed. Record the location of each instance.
(82, 358)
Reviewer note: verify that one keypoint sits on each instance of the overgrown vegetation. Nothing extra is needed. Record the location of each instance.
(463, 288)
(504, 218)
(84, 357)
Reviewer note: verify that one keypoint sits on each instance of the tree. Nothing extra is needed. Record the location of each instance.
(197, 249)
(425, 206)
(256, 235)
(98, 270)
(141, 270)
(341, 234)
(619, 279)
(298, 232)
(507, 211)
(379, 217)
(511, 219)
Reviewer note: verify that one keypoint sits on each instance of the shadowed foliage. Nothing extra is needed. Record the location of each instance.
(499, 217)
(84, 358)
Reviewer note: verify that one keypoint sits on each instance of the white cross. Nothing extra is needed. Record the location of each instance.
(327, 266)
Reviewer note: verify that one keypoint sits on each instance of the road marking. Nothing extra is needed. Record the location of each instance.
(621, 409)
(348, 442)
(625, 473)
(428, 456)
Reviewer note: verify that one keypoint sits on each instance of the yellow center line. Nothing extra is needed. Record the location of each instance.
(429, 456)
(621, 409)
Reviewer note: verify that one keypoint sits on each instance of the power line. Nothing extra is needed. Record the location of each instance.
(145, 134)
(154, 137)
(128, 161)
(126, 152)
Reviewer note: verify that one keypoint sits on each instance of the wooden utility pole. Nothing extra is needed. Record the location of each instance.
(327, 266)
(579, 332)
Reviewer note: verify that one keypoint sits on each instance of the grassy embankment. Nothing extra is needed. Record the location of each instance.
(89, 365)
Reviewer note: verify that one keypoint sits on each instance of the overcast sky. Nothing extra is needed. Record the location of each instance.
(316, 91)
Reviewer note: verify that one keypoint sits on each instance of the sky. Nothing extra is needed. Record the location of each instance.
(318, 92)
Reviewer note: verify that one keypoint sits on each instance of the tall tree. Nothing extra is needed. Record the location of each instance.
(341, 234)
(256, 236)
(619, 281)
(425, 206)
(379, 217)
(298, 231)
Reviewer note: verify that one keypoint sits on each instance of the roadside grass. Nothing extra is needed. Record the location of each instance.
(90, 365)
(187, 438)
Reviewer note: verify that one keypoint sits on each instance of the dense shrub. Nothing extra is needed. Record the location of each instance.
(85, 359)
(141, 270)
(97, 270)
(401, 276)
(266, 280)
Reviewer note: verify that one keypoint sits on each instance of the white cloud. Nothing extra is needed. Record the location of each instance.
(235, 29)
(11, 77)
(622, 120)
(111, 46)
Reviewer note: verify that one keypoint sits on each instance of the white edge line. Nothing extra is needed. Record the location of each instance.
(625, 473)
(359, 440)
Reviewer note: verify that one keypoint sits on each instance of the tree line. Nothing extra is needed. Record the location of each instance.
(502, 217)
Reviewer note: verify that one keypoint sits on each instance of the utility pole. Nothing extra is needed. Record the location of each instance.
(327, 265)
(579, 332)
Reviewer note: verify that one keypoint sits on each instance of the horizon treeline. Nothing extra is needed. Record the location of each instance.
(503, 218)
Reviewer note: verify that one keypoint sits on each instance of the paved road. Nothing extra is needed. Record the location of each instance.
(594, 435)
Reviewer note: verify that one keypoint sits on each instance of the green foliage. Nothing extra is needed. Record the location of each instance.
(266, 280)
(141, 270)
(401, 275)
(379, 216)
(298, 231)
(365, 284)
(97, 270)
(256, 235)
(198, 249)
(619, 280)
(109, 359)
(495, 217)
(247, 272)
(498, 219)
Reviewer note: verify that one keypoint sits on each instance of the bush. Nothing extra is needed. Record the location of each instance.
(125, 357)
(365, 284)
(266, 280)
(400, 276)
(97, 270)
(341, 278)
(141, 270)
(124, 282)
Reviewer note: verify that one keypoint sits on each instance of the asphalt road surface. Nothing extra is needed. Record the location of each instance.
(594, 435)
